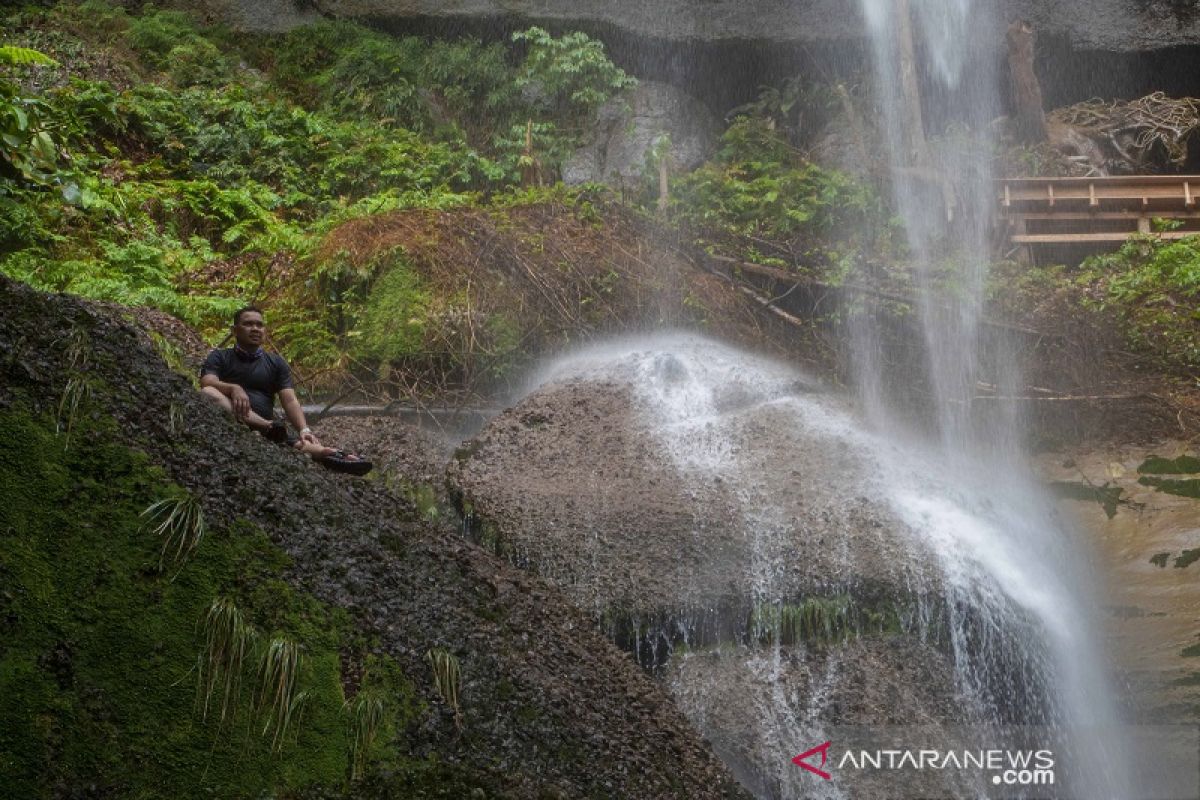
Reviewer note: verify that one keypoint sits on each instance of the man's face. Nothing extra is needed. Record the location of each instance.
(249, 330)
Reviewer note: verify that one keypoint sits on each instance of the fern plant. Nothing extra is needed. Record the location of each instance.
(11, 55)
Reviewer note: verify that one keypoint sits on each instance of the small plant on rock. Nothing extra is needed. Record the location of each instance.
(179, 520)
(447, 678)
(227, 641)
(366, 712)
(279, 674)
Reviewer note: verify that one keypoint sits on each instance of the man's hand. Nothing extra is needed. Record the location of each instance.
(240, 401)
(308, 437)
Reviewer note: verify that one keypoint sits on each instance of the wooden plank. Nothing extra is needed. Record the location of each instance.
(1091, 238)
(1128, 214)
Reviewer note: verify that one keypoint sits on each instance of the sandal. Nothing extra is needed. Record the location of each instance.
(341, 461)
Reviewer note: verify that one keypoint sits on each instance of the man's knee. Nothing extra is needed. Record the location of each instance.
(213, 394)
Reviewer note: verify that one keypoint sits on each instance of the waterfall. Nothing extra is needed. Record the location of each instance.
(1000, 548)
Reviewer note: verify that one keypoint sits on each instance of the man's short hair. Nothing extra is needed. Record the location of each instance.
(237, 315)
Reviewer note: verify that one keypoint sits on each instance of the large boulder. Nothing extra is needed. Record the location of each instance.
(730, 523)
(628, 128)
(680, 481)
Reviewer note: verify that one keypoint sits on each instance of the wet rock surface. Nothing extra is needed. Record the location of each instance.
(719, 516)
(415, 456)
(627, 129)
(1140, 536)
(549, 707)
(840, 683)
(1120, 25)
(579, 484)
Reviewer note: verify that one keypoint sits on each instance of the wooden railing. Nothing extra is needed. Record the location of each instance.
(1096, 212)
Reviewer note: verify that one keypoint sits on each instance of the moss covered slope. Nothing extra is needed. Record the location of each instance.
(99, 648)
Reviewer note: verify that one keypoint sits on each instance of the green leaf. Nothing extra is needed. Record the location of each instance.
(23, 56)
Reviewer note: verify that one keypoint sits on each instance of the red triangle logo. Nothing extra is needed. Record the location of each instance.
(802, 760)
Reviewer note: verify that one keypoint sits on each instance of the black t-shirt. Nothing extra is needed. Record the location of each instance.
(262, 375)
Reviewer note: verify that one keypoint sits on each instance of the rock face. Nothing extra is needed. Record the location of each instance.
(641, 488)
(720, 516)
(1122, 25)
(627, 128)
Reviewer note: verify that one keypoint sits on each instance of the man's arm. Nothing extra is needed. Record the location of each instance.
(236, 394)
(295, 414)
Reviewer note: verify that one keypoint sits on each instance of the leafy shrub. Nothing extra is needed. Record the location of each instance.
(27, 152)
(759, 187)
(568, 76)
(392, 323)
(156, 33)
(197, 63)
(1153, 286)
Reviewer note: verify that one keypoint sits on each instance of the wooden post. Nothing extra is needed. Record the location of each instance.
(664, 184)
(1024, 251)
(1027, 91)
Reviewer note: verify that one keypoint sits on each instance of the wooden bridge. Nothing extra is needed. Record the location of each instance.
(1060, 217)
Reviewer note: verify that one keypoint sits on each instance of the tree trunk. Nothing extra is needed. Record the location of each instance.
(915, 142)
(1027, 92)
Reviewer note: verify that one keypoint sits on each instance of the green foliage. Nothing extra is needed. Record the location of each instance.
(205, 184)
(278, 697)
(227, 642)
(1152, 286)
(759, 187)
(447, 678)
(27, 151)
(171, 41)
(569, 76)
(179, 522)
(367, 713)
(1183, 465)
(23, 56)
(392, 324)
(798, 107)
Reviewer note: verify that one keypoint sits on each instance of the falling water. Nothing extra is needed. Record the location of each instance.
(992, 527)
(987, 587)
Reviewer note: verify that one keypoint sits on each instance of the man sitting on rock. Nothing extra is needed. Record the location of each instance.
(244, 380)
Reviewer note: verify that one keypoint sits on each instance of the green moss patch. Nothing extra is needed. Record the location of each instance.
(1184, 465)
(101, 652)
(1188, 488)
(1187, 558)
(1109, 497)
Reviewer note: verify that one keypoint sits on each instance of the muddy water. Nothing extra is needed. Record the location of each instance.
(1153, 612)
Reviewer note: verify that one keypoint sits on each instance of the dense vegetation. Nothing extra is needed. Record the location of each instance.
(165, 163)
(204, 169)
(147, 159)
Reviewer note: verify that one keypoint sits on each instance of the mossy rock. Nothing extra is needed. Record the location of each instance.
(99, 647)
